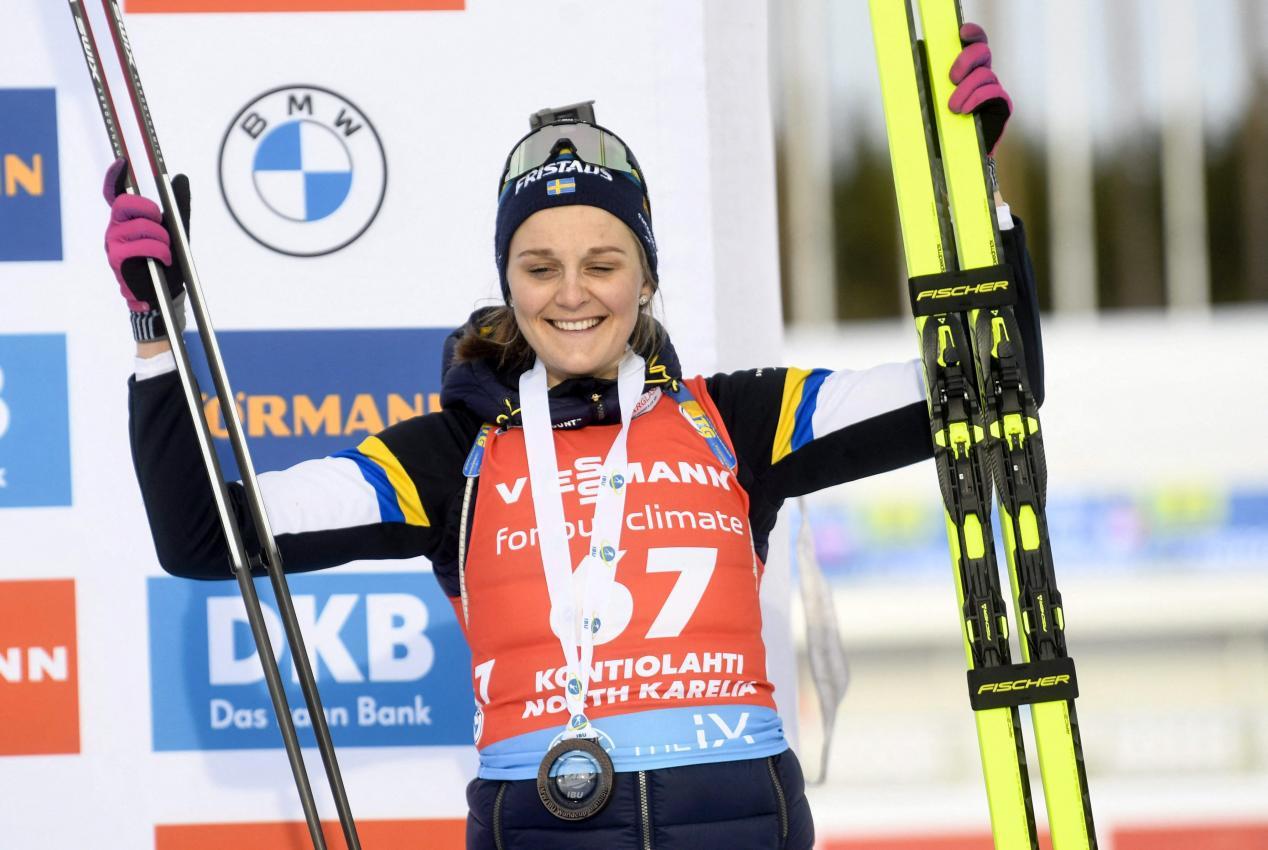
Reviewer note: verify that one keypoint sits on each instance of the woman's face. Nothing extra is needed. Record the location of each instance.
(576, 277)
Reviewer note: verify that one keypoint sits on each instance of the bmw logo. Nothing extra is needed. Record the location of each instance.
(302, 171)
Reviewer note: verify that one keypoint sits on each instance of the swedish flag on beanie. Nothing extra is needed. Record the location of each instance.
(568, 180)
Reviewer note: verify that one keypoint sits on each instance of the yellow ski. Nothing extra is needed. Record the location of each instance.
(983, 419)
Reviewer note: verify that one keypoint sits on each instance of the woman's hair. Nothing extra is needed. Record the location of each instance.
(497, 336)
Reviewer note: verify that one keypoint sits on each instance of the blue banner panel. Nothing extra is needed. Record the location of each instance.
(390, 660)
(308, 394)
(30, 194)
(34, 425)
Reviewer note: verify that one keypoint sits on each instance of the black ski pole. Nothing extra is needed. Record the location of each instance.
(241, 561)
(272, 560)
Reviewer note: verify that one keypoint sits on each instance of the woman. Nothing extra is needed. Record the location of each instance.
(623, 703)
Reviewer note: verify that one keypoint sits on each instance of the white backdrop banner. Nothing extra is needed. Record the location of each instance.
(344, 168)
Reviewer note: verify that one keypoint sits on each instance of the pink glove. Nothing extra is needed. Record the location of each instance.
(136, 232)
(977, 89)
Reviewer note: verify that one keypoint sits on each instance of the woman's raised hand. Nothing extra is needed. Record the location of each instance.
(137, 232)
(977, 89)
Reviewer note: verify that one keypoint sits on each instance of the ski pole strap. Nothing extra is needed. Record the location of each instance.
(954, 291)
(1022, 684)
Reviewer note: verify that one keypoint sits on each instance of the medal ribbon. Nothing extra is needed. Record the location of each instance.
(598, 567)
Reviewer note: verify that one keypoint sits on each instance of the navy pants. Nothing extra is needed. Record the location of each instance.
(755, 804)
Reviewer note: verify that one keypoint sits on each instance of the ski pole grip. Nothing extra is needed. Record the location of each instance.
(953, 291)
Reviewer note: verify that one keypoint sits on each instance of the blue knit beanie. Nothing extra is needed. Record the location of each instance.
(565, 180)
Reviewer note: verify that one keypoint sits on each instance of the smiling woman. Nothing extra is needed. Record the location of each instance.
(598, 520)
(576, 285)
(580, 289)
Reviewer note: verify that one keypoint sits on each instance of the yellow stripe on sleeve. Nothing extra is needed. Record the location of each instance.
(794, 382)
(406, 493)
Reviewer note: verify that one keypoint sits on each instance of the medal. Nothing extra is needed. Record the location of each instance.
(575, 777)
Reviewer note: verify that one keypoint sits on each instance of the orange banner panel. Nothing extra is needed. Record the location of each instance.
(962, 841)
(294, 5)
(957, 842)
(1237, 836)
(1251, 836)
(39, 678)
(374, 835)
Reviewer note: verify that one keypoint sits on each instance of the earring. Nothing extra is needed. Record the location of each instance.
(642, 301)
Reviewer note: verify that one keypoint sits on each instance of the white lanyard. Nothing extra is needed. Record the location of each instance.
(598, 567)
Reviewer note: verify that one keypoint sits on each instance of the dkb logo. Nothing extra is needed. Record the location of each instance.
(385, 648)
(34, 429)
(4, 408)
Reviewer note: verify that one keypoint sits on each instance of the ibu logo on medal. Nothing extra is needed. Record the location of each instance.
(302, 170)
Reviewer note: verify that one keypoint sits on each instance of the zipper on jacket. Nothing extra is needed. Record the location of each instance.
(464, 530)
(779, 799)
(497, 817)
(644, 809)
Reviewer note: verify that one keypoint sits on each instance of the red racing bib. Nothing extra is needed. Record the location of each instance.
(679, 672)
